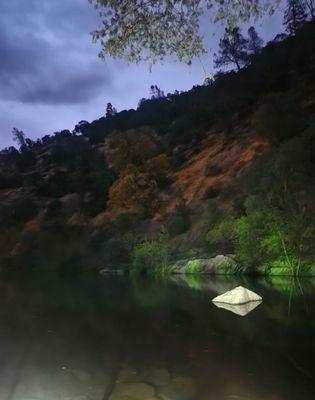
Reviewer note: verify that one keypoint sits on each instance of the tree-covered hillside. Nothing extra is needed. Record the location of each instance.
(225, 168)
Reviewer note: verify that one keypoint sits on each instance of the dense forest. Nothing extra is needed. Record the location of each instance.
(226, 168)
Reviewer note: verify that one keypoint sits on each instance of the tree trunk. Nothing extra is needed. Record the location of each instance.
(294, 20)
(237, 65)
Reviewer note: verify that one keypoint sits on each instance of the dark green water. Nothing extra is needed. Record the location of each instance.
(115, 338)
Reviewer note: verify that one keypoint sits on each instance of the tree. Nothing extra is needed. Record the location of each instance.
(150, 30)
(278, 228)
(158, 167)
(134, 190)
(110, 110)
(141, 102)
(232, 49)
(80, 127)
(29, 143)
(255, 43)
(131, 147)
(278, 236)
(311, 8)
(19, 137)
(294, 16)
(156, 92)
(151, 257)
(208, 81)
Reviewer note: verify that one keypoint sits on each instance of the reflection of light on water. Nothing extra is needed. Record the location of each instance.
(239, 309)
(66, 384)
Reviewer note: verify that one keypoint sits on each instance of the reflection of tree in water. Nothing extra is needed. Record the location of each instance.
(291, 287)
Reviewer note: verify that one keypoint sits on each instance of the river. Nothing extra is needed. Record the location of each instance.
(112, 337)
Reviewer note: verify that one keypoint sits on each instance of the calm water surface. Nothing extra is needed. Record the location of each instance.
(114, 338)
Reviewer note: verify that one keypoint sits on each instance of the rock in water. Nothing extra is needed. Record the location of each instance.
(239, 295)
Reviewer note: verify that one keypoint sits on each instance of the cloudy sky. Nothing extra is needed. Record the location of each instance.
(51, 77)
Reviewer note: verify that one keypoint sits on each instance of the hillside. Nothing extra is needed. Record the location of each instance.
(226, 168)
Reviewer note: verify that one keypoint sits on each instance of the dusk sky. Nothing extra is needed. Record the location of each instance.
(51, 77)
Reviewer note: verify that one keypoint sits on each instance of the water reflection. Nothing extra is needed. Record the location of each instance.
(115, 338)
(239, 309)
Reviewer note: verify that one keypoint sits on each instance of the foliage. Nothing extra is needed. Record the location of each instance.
(232, 49)
(54, 208)
(281, 65)
(134, 155)
(294, 16)
(118, 251)
(10, 181)
(131, 147)
(280, 267)
(158, 167)
(254, 42)
(60, 249)
(310, 4)
(110, 110)
(217, 235)
(221, 237)
(151, 257)
(193, 267)
(178, 222)
(151, 30)
(278, 228)
(144, 148)
(75, 167)
(26, 159)
(17, 212)
(278, 117)
(235, 49)
(277, 238)
(156, 92)
(133, 190)
(18, 136)
(250, 230)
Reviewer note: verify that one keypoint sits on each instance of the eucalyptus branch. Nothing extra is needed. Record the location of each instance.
(148, 30)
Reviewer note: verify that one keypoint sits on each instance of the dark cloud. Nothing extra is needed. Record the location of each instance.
(46, 55)
(51, 78)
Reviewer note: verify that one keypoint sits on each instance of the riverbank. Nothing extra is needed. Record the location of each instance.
(229, 265)
(218, 265)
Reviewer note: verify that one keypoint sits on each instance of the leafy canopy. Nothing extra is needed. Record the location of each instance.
(150, 30)
(295, 15)
(232, 49)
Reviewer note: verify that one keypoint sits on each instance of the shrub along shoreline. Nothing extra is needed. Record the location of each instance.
(219, 265)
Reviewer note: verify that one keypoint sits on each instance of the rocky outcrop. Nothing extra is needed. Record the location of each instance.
(239, 295)
(220, 264)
